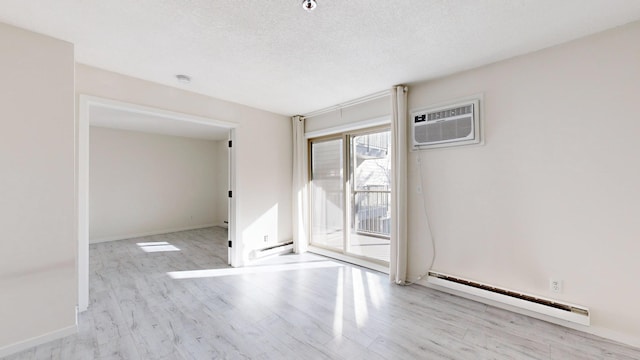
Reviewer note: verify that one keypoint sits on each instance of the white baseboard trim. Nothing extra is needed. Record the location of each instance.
(613, 336)
(592, 329)
(150, 233)
(38, 340)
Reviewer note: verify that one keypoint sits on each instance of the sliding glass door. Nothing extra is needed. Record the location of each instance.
(370, 195)
(350, 194)
(327, 199)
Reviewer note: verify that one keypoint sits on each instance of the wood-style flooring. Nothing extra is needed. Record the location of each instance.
(147, 301)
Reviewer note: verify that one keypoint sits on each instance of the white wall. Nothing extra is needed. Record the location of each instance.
(37, 262)
(143, 183)
(554, 191)
(262, 149)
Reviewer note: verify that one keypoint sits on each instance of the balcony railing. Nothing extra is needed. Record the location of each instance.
(372, 212)
(372, 146)
(379, 140)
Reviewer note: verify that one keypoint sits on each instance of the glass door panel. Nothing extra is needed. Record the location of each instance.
(327, 194)
(370, 195)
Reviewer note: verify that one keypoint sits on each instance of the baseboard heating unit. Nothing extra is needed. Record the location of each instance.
(531, 304)
(273, 250)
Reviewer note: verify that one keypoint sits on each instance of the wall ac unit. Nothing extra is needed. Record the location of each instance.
(450, 125)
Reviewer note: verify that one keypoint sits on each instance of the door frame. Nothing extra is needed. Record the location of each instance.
(86, 102)
(345, 135)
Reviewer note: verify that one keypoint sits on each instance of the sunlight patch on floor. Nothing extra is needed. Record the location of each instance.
(359, 298)
(339, 309)
(375, 291)
(207, 273)
(158, 246)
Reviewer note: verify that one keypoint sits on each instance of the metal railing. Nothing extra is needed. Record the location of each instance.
(372, 212)
(378, 140)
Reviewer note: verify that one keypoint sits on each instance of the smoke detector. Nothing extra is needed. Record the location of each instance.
(309, 5)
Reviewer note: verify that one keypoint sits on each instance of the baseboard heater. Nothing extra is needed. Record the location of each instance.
(273, 250)
(533, 304)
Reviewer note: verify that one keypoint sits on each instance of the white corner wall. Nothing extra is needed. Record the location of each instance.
(262, 149)
(222, 199)
(142, 184)
(554, 191)
(38, 283)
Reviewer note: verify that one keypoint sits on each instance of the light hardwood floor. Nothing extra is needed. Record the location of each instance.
(147, 303)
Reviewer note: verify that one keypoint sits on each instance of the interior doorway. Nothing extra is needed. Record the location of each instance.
(142, 119)
(350, 175)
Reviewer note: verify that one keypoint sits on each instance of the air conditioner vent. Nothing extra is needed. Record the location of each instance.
(448, 113)
(455, 124)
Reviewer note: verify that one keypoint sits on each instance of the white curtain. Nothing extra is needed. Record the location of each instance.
(398, 263)
(300, 208)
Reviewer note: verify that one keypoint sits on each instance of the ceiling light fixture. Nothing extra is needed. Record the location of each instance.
(185, 79)
(309, 5)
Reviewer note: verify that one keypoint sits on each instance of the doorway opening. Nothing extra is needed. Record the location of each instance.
(131, 120)
(350, 197)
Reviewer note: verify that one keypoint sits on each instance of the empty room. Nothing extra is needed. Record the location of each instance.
(151, 175)
(420, 179)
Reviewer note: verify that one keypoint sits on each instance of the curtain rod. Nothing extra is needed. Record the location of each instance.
(343, 105)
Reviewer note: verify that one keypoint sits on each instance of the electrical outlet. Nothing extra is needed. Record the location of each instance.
(266, 238)
(555, 285)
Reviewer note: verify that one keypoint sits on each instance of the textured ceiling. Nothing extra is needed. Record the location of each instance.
(275, 56)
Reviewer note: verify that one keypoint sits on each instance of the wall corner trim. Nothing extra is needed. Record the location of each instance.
(38, 340)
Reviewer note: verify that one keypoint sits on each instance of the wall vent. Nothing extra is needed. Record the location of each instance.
(534, 304)
(450, 125)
